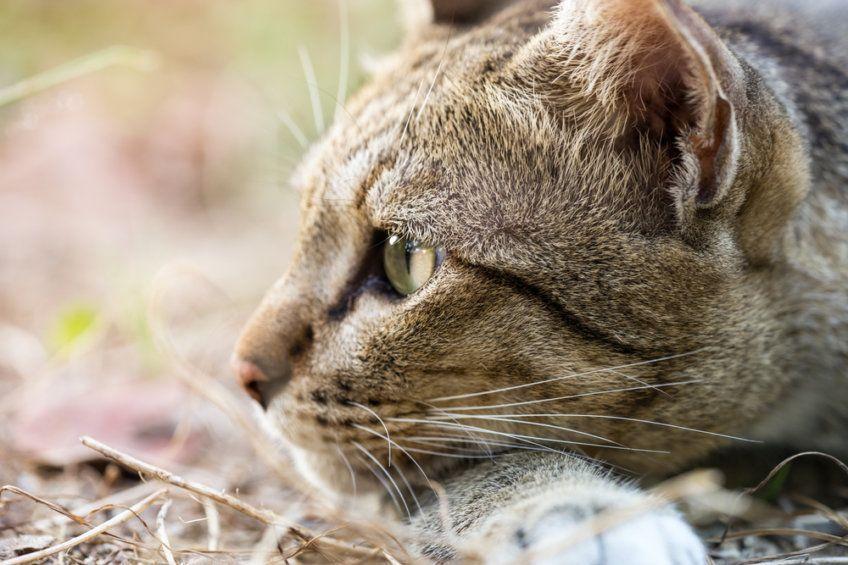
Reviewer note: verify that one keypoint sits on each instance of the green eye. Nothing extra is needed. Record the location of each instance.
(409, 264)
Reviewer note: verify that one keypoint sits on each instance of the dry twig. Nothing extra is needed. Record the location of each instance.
(69, 514)
(263, 515)
(213, 524)
(132, 512)
(86, 511)
(162, 532)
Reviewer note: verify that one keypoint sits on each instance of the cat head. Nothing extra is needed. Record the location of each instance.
(540, 226)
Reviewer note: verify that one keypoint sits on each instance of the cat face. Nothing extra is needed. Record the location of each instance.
(510, 242)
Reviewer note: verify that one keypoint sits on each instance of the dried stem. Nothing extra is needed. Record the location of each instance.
(68, 514)
(213, 525)
(109, 57)
(132, 512)
(261, 514)
(87, 510)
(162, 532)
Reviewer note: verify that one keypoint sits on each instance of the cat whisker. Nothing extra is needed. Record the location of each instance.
(389, 442)
(418, 92)
(411, 111)
(450, 455)
(347, 464)
(435, 440)
(388, 475)
(500, 418)
(382, 480)
(481, 441)
(295, 131)
(459, 426)
(435, 78)
(525, 437)
(525, 444)
(568, 397)
(640, 381)
(403, 477)
(620, 418)
(312, 84)
(344, 56)
(408, 486)
(565, 377)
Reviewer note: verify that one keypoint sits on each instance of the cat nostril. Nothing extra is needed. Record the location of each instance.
(252, 380)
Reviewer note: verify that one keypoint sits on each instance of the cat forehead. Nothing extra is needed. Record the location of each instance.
(454, 139)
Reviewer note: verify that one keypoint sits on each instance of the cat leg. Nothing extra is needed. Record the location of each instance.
(524, 508)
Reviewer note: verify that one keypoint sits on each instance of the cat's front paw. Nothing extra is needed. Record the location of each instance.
(652, 539)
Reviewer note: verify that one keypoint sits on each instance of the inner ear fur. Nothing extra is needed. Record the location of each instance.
(678, 82)
(660, 67)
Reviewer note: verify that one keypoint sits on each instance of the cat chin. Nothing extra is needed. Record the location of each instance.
(317, 468)
(326, 472)
(320, 472)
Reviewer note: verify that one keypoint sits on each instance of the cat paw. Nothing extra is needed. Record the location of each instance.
(653, 539)
(660, 538)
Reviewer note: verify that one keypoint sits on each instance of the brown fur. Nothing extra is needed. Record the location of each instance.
(613, 185)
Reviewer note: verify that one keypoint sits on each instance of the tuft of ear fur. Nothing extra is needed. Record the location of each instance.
(679, 83)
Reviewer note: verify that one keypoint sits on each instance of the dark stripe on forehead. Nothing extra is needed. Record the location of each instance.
(572, 321)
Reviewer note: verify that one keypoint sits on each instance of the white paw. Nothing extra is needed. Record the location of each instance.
(652, 539)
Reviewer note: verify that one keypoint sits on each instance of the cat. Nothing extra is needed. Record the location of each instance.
(560, 239)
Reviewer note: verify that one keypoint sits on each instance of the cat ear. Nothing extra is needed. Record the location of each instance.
(680, 84)
(417, 13)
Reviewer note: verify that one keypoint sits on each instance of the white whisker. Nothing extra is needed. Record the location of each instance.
(350, 470)
(435, 440)
(571, 396)
(383, 482)
(537, 424)
(312, 84)
(418, 91)
(571, 376)
(482, 441)
(435, 79)
(456, 426)
(521, 437)
(385, 427)
(409, 487)
(368, 454)
(297, 133)
(622, 418)
(400, 472)
(450, 455)
(344, 56)
(411, 111)
(640, 381)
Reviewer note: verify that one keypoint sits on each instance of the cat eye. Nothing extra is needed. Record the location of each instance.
(409, 264)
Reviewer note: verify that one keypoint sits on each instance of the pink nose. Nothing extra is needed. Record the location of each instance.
(252, 380)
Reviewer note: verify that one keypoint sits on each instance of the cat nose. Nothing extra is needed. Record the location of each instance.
(252, 380)
(260, 384)
(264, 354)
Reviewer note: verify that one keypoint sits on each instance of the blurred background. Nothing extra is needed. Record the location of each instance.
(145, 149)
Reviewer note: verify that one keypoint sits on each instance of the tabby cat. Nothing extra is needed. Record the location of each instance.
(553, 243)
